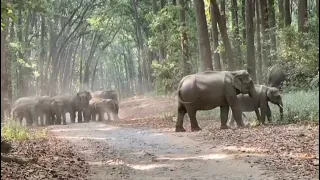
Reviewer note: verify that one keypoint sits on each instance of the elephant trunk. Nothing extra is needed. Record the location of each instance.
(280, 105)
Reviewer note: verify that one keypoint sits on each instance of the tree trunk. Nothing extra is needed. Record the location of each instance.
(287, 13)
(302, 16)
(243, 14)
(215, 39)
(163, 31)
(250, 40)
(281, 13)
(224, 19)
(317, 4)
(265, 36)
(224, 35)
(258, 42)
(42, 53)
(236, 33)
(186, 69)
(3, 72)
(202, 29)
(272, 30)
(94, 74)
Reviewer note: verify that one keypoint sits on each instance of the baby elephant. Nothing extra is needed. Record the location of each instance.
(100, 106)
(265, 94)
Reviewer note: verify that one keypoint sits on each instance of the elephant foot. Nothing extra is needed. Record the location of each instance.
(224, 127)
(180, 129)
(195, 129)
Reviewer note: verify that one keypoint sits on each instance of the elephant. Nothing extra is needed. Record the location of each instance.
(210, 89)
(29, 108)
(107, 94)
(100, 106)
(276, 76)
(265, 94)
(6, 106)
(57, 110)
(73, 104)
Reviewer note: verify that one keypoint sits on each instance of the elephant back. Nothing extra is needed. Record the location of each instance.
(106, 94)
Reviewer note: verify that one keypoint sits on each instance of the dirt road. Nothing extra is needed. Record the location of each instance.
(143, 145)
(125, 153)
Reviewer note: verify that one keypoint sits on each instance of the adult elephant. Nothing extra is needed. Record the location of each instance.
(100, 106)
(73, 104)
(29, 108)
(276, 76)
(210, 89)
(107, 94)
(265, 94)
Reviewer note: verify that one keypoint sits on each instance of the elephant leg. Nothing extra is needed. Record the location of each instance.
(231, 122)
(73, 116)
(64, 119)
(181, 113)
(269, 116)
(93, 116)
(79, 116)
(58, 119)
(193, 121)
(101, 115)
(224, 111)
(236, 110)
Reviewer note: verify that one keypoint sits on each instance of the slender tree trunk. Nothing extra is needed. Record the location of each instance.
(302, 16)
(186, 69)
(272, 30)
(258, 42)
(287, 13)
(317, 4)
(250, 39)
(94, 73)
(3, 72)
(265, 37)
(243, 14)
(163, 31)
(202, 29)
(42, 53)
(236, 33)
(215, 40)
(281, 13)
(224, 35)
(224, 20)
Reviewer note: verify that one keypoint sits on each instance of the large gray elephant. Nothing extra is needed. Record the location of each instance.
(210, 89)
(29, 108)
(265, 94)
(73, 104)
(100, 106)
(57, 110)
(107, 94)
(276, 76)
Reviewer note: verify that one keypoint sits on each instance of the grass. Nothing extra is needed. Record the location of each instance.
(12, 130)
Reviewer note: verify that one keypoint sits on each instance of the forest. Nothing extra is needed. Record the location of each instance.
(137, 48)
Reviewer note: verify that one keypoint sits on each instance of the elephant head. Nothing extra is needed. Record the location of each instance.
(111, 105)
(274, 96)
(109, 94)
(242, 81)
(82, 99)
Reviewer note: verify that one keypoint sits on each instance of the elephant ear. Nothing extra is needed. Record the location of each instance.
(236, 80)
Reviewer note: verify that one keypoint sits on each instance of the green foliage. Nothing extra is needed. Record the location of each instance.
(14, 131)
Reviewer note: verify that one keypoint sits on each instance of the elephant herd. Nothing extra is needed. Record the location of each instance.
(86, 104)
(225, 89)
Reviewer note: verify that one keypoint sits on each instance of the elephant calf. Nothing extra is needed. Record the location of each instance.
(265, 94)
(100, 106)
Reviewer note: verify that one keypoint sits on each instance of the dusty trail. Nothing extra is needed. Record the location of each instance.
(125, 153)
(143, 145)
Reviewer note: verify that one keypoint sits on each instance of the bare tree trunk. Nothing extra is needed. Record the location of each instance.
(265, 37)
(94, 73)
(236, 33)
(3, 72)
(258, 42)
(202, 29)
(224, 20)
(302, 15)
(215, 40)
(243, 14)
(317, 4)
(250, 39)
(281, 13)
(186, 69)
(272, 30)
(42, 53)
(162, 48)
(224, 35)
(287, 13)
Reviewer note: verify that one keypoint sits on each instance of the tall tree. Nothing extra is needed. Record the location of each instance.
(215, 39)
(236, 33)
(281, 13)
(302, 15)
(265, 36)
(184, 39)
(224, 35)
(287, 13)
(202, 29)
(272, 30)
(250, 39)
(259, 57)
